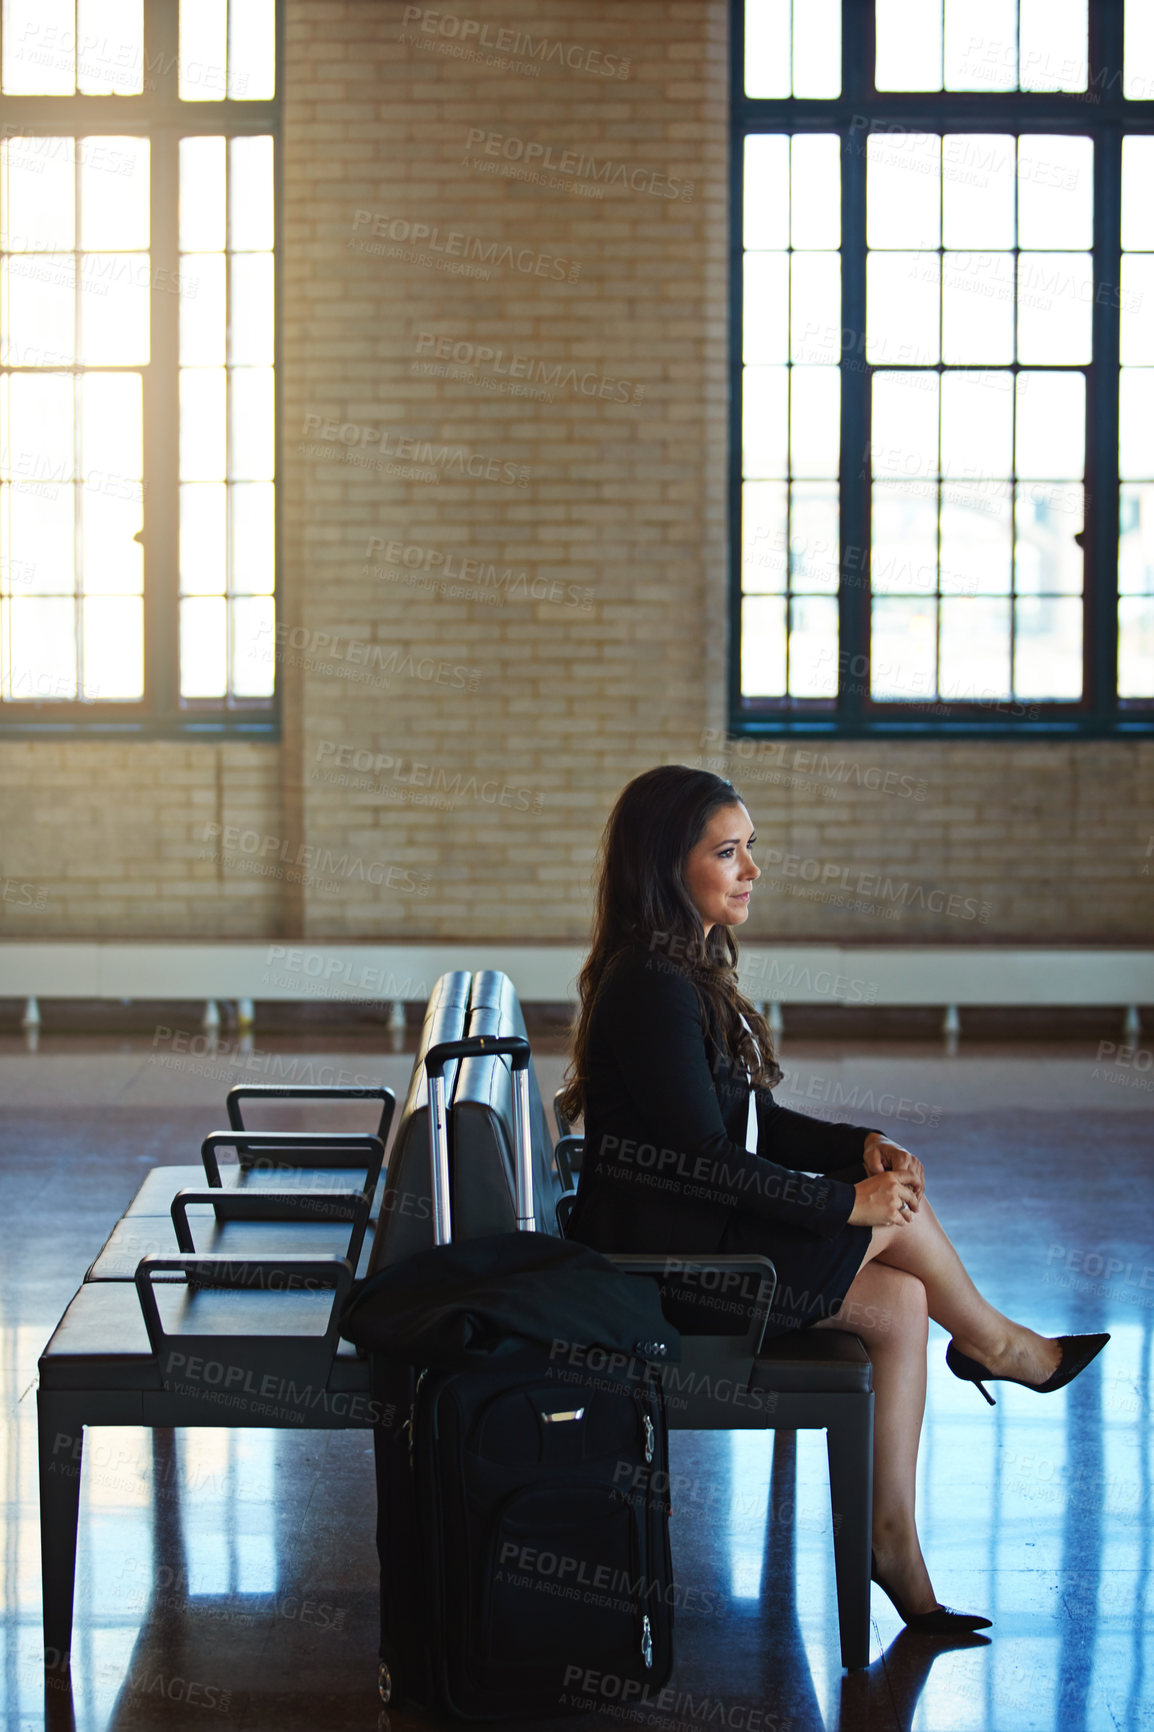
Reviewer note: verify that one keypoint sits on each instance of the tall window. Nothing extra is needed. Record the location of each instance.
(137, 319)
(1136, 449)
(943, 469)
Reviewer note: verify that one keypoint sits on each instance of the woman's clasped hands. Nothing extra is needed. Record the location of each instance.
(889, 1197)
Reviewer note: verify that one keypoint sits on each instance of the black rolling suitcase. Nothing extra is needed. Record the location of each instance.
(522, 1514)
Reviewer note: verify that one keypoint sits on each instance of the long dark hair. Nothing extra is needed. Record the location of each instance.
(642, 898)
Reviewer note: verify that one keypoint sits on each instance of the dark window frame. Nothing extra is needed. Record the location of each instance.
(1101, 113)
(160, 115)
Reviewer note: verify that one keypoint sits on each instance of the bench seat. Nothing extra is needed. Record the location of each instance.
(160, 1185)
(813, 1362)
(162, 1351)
(139, 1236)
(80, 1354)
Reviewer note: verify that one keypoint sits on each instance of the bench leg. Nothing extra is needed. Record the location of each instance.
(850, 1448)
(61, 1444)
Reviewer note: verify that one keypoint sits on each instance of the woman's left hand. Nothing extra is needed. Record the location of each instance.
(883, 1156)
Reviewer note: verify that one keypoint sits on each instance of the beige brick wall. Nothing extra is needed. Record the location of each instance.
(579, 642)
(949, 843)
(101, 840)
(460, 715)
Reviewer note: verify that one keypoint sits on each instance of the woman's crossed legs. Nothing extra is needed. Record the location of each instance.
(909, 1274)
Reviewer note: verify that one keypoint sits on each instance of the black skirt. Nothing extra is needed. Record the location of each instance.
(813, 1272)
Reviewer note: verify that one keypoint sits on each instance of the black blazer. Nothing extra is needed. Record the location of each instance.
(665, 1163)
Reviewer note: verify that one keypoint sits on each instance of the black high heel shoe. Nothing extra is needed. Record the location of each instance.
(941, 1621)
(1077, 1352)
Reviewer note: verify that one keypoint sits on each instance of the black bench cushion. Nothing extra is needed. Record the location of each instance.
(161, 1185)
(101, 1343)
(814, 1362)
(134, 1236)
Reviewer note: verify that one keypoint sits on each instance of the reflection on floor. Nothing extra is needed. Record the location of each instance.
(229, 1577)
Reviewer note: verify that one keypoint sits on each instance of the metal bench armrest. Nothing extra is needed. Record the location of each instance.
(568, 1155)
(301, 1143)
(564, 1128)
(352, 1206)
(288, 1273)
(301, 1092)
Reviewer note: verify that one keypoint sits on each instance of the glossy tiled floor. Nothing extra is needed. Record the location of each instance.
(229, 1578)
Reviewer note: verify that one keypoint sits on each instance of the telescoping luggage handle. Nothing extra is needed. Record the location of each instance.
(518, 1050)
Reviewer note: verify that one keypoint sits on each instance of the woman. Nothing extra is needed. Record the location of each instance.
(665, 1051)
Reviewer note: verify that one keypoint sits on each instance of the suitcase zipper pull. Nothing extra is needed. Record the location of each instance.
(413, 1413)
(646, 1641)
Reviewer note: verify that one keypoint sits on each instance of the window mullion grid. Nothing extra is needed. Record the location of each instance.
(939, 482)
(789, 388)
(6, 582)
(1015, 375)
(77, 401)
(939, 491)
(162, 50)
(1100, 542)
(1106, 43)
(1103, 115)
(855, 477)
(161, 386)
(736, 706)
(158, 115)
(161, 383)
(279, 204)
(228, 425)
(787, 575)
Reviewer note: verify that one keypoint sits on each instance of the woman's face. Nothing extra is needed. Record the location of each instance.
(720, 868)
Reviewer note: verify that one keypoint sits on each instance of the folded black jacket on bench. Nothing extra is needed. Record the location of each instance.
(481, 1301)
